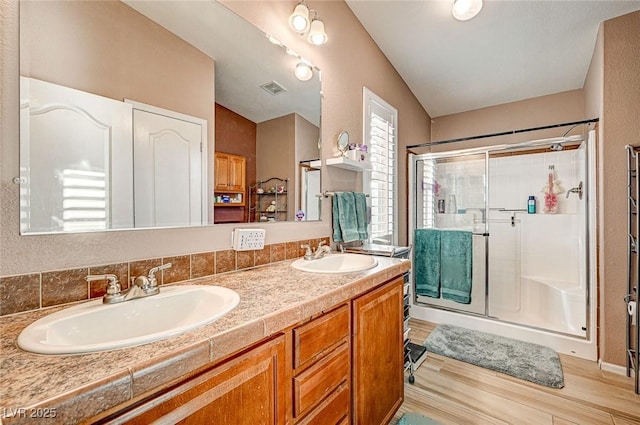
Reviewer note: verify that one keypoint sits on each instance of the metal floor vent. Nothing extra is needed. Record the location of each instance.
(273, 88)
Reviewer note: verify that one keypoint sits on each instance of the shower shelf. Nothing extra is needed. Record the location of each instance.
(633, 264)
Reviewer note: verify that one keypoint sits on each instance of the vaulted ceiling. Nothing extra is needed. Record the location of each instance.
(512, 50)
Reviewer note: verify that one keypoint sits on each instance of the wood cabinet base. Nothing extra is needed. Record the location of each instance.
(248, 390)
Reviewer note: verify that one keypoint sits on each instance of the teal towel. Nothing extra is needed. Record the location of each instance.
(347, 217)
(455, 263)
(337, 233)
(361, 215)
(426, 262)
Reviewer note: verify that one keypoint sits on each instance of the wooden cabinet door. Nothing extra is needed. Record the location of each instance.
(230, 172)
(377, 380)
(222, 171)
(248, 390)
(237, 166)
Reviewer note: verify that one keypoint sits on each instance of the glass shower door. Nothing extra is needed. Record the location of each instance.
(451, 195)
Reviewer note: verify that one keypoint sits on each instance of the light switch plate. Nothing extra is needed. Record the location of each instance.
(248, 239)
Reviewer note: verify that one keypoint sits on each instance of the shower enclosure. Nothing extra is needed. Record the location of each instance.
(530, 269)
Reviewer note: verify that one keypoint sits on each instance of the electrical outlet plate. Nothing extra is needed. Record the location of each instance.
(248, 239)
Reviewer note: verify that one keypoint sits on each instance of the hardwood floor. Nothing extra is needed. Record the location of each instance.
(453, 392)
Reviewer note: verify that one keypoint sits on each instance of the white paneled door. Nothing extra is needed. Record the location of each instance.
(167, 169)
(75, 160)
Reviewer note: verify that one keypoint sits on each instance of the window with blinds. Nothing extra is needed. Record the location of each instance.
(429, 191)
(380, 122)
(84, 200)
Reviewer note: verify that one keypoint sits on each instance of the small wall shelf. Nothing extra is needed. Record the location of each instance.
(348, 164)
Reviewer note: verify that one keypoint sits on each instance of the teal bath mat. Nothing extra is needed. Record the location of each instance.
(416, 419)
(523, 360)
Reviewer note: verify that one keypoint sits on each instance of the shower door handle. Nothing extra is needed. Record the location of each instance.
(577, 190)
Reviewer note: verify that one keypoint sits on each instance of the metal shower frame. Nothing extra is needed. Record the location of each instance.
(411, 158)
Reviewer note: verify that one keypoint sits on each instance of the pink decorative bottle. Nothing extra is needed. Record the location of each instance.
(551, 191)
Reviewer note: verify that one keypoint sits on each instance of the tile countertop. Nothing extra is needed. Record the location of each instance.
(73, 388)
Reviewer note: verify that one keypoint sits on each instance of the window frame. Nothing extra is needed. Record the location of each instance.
(369, 99)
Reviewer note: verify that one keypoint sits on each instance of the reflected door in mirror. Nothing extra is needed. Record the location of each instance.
(167, 171)
(310, 188)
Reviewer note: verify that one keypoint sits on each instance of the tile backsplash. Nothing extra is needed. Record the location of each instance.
(50, 288)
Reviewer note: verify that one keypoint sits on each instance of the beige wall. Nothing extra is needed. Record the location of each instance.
(306, 140)
(348, 62)
(281, 144)
(620, 126)
(536, 112)
(276, 150)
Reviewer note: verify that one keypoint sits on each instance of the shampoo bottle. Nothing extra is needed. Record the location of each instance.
(531, 205)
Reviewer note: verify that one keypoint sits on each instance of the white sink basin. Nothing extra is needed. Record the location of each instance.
(336, 263)
(94, 326)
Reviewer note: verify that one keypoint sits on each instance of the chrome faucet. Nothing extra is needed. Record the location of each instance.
(114, 293)
(321, 250)
(141, 286)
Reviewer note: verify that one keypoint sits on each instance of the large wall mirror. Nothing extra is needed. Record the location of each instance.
(142, 114)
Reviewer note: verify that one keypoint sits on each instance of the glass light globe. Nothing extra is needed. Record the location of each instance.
(317, 35)
(464, 10)
(303, 71)
(299, 19)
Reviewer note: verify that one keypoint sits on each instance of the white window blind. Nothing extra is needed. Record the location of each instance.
(380, 135)
(84, 200)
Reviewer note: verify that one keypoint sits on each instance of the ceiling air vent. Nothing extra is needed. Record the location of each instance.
(273, 88)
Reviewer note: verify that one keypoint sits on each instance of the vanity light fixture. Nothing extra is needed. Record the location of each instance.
(303, 71)
(301, 22)
(299, 19)
(317, 34)
(463, 10)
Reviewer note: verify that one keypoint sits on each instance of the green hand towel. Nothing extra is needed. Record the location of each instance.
(455, 262)
(347, 215)
(361, 215)
(426, 262)
(337, 233)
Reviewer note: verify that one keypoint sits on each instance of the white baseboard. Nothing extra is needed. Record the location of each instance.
(613, 368)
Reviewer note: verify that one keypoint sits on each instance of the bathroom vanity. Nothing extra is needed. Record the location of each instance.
(300, 348)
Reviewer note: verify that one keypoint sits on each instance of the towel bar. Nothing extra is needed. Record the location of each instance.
(326, 194)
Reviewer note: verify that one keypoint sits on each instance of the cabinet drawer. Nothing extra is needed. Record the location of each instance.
(315, 337)
(315, 383)
(332, 411)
